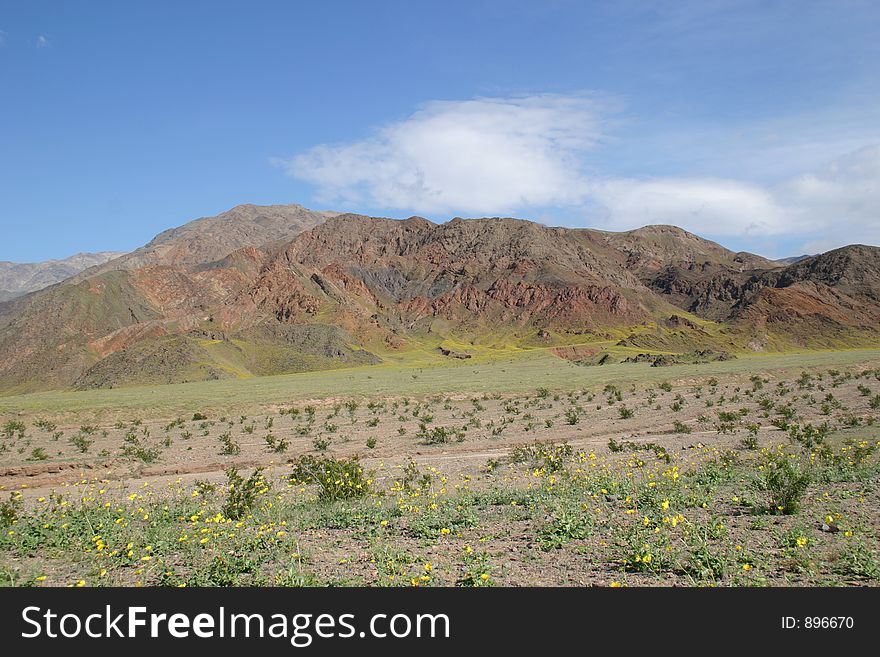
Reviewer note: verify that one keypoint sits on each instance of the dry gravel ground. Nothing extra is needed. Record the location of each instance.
(634, 484)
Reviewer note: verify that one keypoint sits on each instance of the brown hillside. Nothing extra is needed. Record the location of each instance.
(279, 289)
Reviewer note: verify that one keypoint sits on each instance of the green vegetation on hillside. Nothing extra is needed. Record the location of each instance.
(412, 374)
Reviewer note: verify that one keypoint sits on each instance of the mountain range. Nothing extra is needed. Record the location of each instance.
(18, 278)
(269, 289)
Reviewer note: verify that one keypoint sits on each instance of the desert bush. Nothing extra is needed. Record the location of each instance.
(415, 479)
(13, 427)
(82, 442)
(439, 435)
(808, 435)
(241, 493)
(45, 425)
(275, 444)
(785, 480)
(547, 455)
(751, 440)
(628, 446)
(38, 454)
(228, 446)
(10, 509)
(337, 479)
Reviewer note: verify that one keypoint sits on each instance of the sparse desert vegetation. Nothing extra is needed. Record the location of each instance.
(708, 474)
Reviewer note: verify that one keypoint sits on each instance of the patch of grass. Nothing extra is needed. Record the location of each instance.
(502, 371)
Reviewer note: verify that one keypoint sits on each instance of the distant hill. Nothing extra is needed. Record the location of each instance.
(264, 290)
(792, 259)
(17, 278)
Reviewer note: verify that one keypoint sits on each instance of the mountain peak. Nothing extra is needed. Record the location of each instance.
(207, 239)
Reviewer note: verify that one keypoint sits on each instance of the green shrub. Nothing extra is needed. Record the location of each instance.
(275, 444)
(38, 454)
(241, 493)
(45, 425)
(138, 451)
(629, 446)
(82, 442)
(337, 479)
(14, 427)
(785, 480)
(414, 479)
(550, 456)
(229, 446)
(10, 509)
(439, 435)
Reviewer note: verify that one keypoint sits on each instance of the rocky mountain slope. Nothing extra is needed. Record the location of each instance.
(822, 294)
(266, 290)
(209, 239)
(18, 278)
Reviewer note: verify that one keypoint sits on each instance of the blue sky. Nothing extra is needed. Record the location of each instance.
(753, 123)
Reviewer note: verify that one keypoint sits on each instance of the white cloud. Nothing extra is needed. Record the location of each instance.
(482, 156)
(523, 155)
(702, 205)
(839, 203)
(3, 35)
(42, 41)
